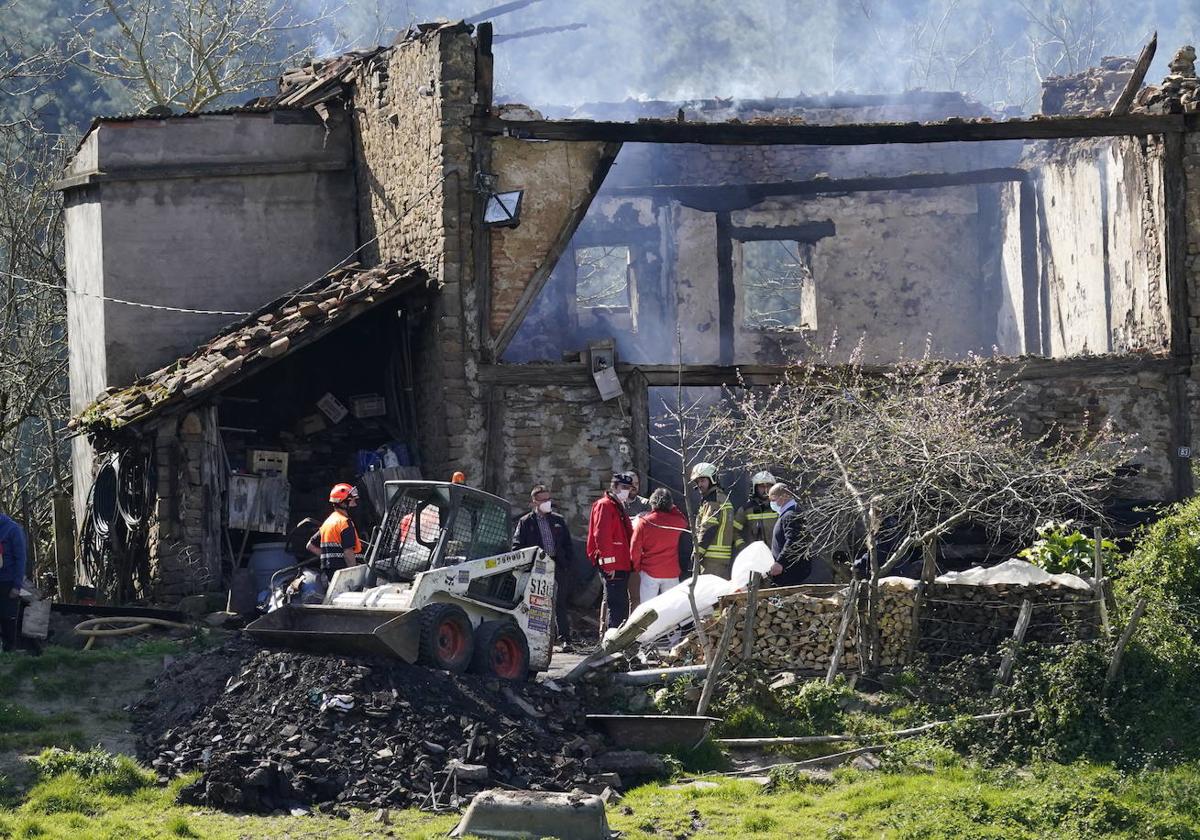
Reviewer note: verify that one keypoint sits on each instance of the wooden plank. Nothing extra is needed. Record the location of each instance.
(855, 134)
(848, 610)
(1114, 667)
(718, 660)
(1098, 576)
(1010, 655)
(540, 277)
(732, 196)
(751, 614)
(481, 235)
(1125, 100)
(639, 419)
(726, 291)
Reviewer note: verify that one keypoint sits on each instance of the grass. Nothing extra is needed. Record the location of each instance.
(23, 729)
(926, 795)
(62, 671)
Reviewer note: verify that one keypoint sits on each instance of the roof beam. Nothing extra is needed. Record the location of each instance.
(862, 134)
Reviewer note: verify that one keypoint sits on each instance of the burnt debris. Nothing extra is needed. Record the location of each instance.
(276, 731)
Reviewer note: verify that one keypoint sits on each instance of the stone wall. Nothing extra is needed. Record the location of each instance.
(564, 437)
(415, 172)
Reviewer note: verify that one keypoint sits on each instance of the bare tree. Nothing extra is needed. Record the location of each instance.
(894, 458)
(190, 54)
(33, 354)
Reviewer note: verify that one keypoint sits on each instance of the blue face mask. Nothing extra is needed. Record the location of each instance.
(775, 506)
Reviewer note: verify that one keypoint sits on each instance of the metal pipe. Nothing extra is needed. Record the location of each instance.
(659, 675)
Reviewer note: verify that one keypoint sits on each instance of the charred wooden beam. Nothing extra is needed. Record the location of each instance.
(808, 232)
(732, 196)
(1125, 100)
(862, 134)
(1027, 368)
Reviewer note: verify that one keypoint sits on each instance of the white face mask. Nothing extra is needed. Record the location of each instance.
(623, 495)
(544, 507)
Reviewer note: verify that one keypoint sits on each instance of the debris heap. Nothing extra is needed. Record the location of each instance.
(287, 730)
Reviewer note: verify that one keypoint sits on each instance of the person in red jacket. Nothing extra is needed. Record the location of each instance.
(608, 538)
(656, 543)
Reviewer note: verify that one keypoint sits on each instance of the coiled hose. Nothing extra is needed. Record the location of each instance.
(94, 628)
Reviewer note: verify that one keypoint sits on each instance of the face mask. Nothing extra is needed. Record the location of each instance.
(623, 495)
(775, 506)
(544, 507)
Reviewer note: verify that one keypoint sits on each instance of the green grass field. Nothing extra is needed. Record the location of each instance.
(922, 790)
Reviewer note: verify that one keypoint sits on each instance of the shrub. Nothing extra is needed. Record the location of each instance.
(1060, 549)
(117, 775)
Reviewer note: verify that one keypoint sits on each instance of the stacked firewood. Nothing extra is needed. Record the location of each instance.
(797, 628)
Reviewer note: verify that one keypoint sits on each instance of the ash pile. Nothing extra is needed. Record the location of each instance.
(286, 730)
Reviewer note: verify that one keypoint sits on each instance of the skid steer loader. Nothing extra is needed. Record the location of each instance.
(439, 587)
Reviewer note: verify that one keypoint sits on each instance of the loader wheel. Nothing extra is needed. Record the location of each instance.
(501, 650)
(447, 641)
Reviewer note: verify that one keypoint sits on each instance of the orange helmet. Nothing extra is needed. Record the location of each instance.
(341, 493)
(458, 478)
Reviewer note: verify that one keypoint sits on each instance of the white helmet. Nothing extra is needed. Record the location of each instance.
(705, 470)
(763, 477)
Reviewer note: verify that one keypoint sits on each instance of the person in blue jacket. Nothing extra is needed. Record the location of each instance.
(12, 576)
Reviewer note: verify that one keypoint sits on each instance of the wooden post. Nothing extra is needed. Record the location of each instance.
(848, 609)
(718, 660)
(1098, 577)
(64, 545)
(1114, 667)
(1006, 664)
(31, 538)
(751, 612)
(928, 567)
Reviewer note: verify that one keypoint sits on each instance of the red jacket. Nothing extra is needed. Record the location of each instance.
(655, 548)
(609, 533)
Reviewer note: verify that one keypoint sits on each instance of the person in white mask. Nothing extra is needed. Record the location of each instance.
(792, 565)
(610, 532)
(544, 528)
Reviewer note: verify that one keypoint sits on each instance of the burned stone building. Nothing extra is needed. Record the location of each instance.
(461, 284)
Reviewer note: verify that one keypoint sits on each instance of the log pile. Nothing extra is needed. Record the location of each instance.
(958, 619)
(796, 628)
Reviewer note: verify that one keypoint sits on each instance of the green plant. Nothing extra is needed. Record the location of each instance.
(1060, 549)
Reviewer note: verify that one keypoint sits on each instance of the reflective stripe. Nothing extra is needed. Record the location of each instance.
(771, 515)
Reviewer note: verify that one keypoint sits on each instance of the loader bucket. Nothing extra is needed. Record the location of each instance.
(342, 630)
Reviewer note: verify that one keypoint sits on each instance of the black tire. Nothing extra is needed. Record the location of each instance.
(501, 651)
(447, 639)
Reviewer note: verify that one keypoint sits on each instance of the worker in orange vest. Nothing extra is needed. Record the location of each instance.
(337, 543)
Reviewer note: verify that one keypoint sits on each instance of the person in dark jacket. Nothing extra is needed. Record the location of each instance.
(12, 576)
(610, 533)
(792, 566)
(544, 528)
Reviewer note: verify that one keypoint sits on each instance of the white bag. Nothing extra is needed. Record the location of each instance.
(35, 621)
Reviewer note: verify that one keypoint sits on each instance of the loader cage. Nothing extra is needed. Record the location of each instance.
(429, 525)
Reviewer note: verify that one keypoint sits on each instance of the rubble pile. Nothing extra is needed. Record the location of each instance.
(1093, 91)
(283, 730)
(1180, 91)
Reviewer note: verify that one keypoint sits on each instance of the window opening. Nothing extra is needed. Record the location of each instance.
(602, 277)
(777, 286)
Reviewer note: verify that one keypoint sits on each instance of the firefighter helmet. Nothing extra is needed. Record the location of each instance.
(342, 493)
(763, 477)
(705, 470)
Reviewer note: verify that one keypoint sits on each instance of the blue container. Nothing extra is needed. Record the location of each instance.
(265, 560)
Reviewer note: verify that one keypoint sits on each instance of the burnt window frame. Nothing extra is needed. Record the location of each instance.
(805, 236)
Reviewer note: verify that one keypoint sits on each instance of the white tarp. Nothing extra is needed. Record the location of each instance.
(1013, 573)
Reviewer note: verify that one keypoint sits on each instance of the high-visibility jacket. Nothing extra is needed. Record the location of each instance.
(753, 521)
(714, 525)
(609, 534)
(338, 535)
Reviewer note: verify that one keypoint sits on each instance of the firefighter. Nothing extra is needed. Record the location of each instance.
(337, 543)
(755, 520)
(714, 523)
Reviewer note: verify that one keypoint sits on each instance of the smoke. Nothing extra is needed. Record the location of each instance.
(997, 52)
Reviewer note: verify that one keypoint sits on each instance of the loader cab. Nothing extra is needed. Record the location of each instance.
(433, 524)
